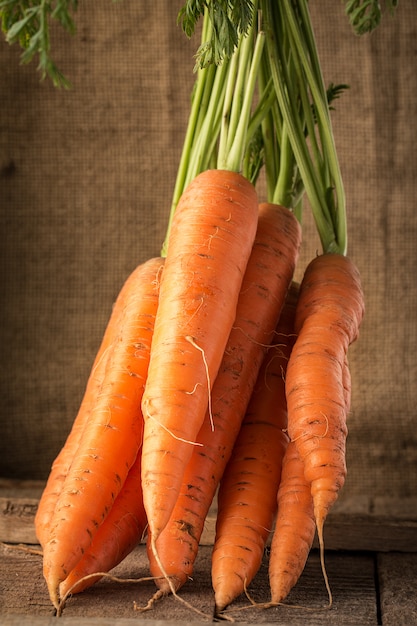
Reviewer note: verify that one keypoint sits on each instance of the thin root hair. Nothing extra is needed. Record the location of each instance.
(326, 419)
(115, 579)
(152, 417)
(257, 343)
(192, 341)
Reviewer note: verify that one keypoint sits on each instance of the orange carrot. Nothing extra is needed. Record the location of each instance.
(295, 524)
(247, 497)
(294, 528)
(211, 238)
(112, 435)
(329, 313)
(120, 532)
(62, 462)
(265, 284)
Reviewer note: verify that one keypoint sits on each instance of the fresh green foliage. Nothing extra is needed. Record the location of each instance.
(27, 22)
(286, 129)
(306, 138)
(365, 15)
(223, 129)
(254, 157)
(228, 20)
(335, 91)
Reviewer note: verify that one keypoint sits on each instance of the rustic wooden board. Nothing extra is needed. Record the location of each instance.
(372, 533)
(397, 580)
(16, 520)
(385, 524)
(370, 557)
(351, 578)
(21, 488)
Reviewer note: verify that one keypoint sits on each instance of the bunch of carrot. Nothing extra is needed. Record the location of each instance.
(216, 371)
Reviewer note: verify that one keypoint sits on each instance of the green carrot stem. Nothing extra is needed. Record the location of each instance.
(207, 137)
(243, 57)
(199, 102)
(313, 166)
(262, 110)
(230, 94)
(233, 159)
(269, 131)
(303, 33)
(283, 192)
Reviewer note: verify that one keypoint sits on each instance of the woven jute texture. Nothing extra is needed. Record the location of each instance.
(86, 182)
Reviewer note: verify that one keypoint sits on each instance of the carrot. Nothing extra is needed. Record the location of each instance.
(295, 524)
(210, 241)
(119, 533)
(112, 435)
(294, 528)
(247, 497)
(329, 314)
(265, 284)
(62, 462)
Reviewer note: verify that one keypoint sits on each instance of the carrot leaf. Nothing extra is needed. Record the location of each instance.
(29, 25)
(365, 15)
(228, 20)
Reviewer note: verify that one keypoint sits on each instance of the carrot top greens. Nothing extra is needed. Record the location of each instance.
(289, 130)
(303, 104)
(247, 46)
(220, 124)
(228, 20)
(28, 24)
(365, 15)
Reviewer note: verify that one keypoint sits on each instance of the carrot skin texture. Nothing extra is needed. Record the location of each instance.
(265, 284)
(247, 497)
(62, 463)
(294, 528)
(120, 532)
(347, 386)
(329, 313)
(211, 237)
(111, 438)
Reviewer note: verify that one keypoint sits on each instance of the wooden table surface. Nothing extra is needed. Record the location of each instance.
(371, 561)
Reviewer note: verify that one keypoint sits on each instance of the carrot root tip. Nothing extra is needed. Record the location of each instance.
(156, 596)
(170, 581)
(322, 563)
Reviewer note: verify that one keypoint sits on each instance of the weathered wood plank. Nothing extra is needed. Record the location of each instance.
(17, 520)
(397, 575)
(351, 577)
(18, 503)
(371, 533)
(383, 524)
(21, 488)
(342, 532)
(30, 620)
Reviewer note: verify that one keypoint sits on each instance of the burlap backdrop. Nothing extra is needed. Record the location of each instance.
(86, 183)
